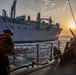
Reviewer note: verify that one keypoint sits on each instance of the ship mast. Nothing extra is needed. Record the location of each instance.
(38, 20)
(4, 13)
(13, 9)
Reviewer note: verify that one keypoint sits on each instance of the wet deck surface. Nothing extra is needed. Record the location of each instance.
(68, 69)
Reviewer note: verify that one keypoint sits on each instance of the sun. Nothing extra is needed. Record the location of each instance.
(72, 25)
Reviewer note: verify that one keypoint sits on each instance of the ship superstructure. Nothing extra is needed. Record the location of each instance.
(29, 30)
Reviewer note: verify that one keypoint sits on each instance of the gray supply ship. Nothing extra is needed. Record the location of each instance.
(29, 30)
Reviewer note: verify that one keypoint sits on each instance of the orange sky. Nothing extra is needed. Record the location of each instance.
(66, 29)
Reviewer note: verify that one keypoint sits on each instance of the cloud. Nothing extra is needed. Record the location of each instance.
(55, 10)
(32, 3)
(67, 2)
(46, 13)
(53, 4)
(46, 2)
(43, 8)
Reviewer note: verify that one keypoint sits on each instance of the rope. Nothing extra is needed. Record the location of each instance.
(25, 55)
(72, 11)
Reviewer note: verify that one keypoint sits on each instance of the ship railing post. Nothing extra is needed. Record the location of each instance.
(51, 50)
(58, 44)
(37, 52)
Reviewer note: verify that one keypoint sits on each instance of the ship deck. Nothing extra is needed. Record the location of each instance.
(68, 69)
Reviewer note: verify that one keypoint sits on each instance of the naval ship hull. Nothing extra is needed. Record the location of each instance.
(21, 34)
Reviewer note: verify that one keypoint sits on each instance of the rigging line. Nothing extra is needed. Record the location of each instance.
(72, 11)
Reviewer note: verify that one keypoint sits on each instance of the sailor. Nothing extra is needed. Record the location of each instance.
(6, 47)
(57, 53)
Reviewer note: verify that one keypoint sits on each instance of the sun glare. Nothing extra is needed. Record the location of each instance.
(72, 25)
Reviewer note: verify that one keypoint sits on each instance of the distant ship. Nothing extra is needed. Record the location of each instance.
(29, 30)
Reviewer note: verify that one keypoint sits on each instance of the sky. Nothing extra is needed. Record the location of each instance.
(59, 11)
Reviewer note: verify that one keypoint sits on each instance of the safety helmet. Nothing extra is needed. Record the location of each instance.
(9, 30)
(55, 48)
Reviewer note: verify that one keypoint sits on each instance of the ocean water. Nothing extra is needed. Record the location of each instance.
(65, 38)
(30, 51)
(63, 41)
